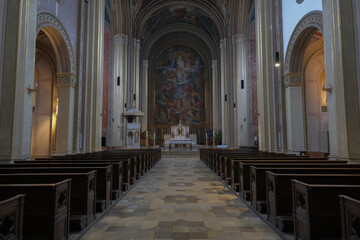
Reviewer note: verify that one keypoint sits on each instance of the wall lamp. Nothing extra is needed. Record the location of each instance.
(31, 90)
(329, 89)
(277, 59)
(234, 105)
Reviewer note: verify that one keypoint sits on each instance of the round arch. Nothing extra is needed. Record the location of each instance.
(307, 26)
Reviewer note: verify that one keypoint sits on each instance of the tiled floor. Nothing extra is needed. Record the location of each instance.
(180, 199)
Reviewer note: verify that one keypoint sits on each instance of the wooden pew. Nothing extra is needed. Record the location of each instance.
(258, 180)
(350, 217)
(244, 178)
(279, 193)
(82, 198)
(12, 217)
(46, 208)
(232, 175)
(121, 177)
(317, 210)
(103, 179)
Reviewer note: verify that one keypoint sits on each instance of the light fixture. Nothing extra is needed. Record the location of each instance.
(31, 90)
(234, 106)
(277, 59)
(329, 89)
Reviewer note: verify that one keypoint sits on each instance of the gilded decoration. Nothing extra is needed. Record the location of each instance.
(66, 80)
(294, 79)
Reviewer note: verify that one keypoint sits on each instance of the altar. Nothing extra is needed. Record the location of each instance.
(180, 136)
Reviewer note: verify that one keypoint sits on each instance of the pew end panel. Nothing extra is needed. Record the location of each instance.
(350, 217)
(12, 217)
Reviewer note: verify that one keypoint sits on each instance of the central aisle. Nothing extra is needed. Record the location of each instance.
(180, 199)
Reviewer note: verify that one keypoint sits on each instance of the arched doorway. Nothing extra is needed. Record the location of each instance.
(54, 98)
(315, 94)
(44, 99)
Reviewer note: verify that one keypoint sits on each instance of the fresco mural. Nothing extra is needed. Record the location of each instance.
(180, 87)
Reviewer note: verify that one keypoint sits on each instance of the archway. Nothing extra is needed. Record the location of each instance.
(315, 95)
(303, 66)
(44, 99)
(54, 100)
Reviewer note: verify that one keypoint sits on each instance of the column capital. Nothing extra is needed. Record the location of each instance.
(136, 43)
(223, 42)
(293, 79)
(214, 63)
(240, 38)
(146, 63)
(66, 80)
(120, 39)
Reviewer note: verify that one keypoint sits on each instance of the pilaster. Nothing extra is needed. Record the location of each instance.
(17, 75)
(215, 94)
(341, 74)
(224, 93)
(144, 95)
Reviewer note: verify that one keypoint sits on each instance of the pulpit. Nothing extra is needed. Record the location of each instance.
(133, 128)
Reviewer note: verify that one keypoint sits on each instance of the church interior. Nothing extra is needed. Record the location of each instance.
(179, 119)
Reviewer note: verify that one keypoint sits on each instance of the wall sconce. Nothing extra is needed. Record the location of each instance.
(103, 113)
(118, 81)
(31, 90)
(57, 106)
(134, 97)
(329, 89)
(225, 98)
(277, 59)
(234, 106)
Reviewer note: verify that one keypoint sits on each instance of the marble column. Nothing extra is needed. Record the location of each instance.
(94, 83)
(341, 76)
(215, 96)
(241, 105)
(295, 124)
(118, 83)
(18, 74)
(66, 83)
(144, 95)
(224, 96)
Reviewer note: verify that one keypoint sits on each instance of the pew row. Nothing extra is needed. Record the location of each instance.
(46, 208)
(12, 217)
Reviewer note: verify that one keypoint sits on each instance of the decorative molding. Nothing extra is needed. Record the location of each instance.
(309, 52)
(120, 39)
(66, 80)
(47, 19)
(223, 43)
(312, 19)
(294, 79)
(145, 63)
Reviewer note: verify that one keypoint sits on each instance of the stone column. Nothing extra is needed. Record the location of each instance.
(119, 81)
(136, 83)
(2, 36)
(295, 124)
(242, 104)
(17, 75)
(215, 95)
(144, 95)
(125, 91)
(261, 76)
(66, 83)
(341, 74)
(224, 96)
(94, 76)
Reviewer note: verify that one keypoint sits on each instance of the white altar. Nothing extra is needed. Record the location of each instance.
(180, 135)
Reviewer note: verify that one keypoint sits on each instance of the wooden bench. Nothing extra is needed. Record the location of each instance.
(258, 180)
(82, 197)
(121, 177)
(103, 179)
(244, 178)
(12, 217)
(46, 208)
(317, 209)
(279, 194)
(350, 217)
(232, 175)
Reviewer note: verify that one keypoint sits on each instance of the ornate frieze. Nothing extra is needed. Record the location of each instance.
(223, 43)
(294, 79)
(66, 80)
(240, 38)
